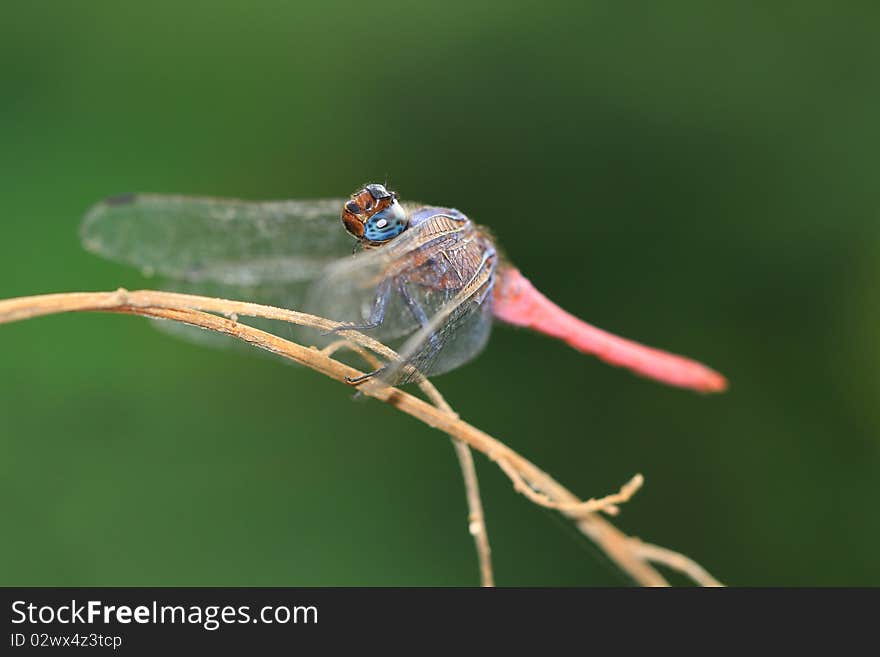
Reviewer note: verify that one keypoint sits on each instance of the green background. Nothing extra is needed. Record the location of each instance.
(700, 177)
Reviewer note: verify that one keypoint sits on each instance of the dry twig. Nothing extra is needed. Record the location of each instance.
(632, 555)
(476, 519)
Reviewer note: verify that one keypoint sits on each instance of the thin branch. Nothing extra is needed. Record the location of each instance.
(630, 554)
(607, 504)
(676, 561)
(476, 518)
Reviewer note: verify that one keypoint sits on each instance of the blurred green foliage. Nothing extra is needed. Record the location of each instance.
(697, 176)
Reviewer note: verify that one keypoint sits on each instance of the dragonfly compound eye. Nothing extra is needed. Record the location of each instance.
(353, 218)
(386, 224)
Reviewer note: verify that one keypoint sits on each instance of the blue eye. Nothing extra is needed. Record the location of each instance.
(385, 225)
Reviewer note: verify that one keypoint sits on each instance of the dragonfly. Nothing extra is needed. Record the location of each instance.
(423, 278)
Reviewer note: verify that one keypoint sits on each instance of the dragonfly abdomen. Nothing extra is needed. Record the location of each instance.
(517, 302)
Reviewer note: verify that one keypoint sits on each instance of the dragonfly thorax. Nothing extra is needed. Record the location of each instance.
(374, 216)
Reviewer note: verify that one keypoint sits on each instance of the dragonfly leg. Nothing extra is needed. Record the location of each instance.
(417, 311)
(420, 316)
(377, 312)
(364, 377)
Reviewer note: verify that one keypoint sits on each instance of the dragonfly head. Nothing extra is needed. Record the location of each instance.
(373, 215)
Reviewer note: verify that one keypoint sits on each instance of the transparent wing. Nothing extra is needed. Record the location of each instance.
(218, 241)
(265, 252)
(288, 295)
(294, 254)
(454, 335)
(418, 287)
(351, 288)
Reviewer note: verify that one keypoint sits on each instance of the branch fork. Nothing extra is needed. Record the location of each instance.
(631, 555)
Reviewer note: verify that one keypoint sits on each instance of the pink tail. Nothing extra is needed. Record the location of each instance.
(517, 302)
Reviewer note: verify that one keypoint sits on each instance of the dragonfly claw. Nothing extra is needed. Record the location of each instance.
(355, 380)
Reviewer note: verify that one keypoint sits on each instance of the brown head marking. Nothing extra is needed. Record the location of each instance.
(365, 203)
